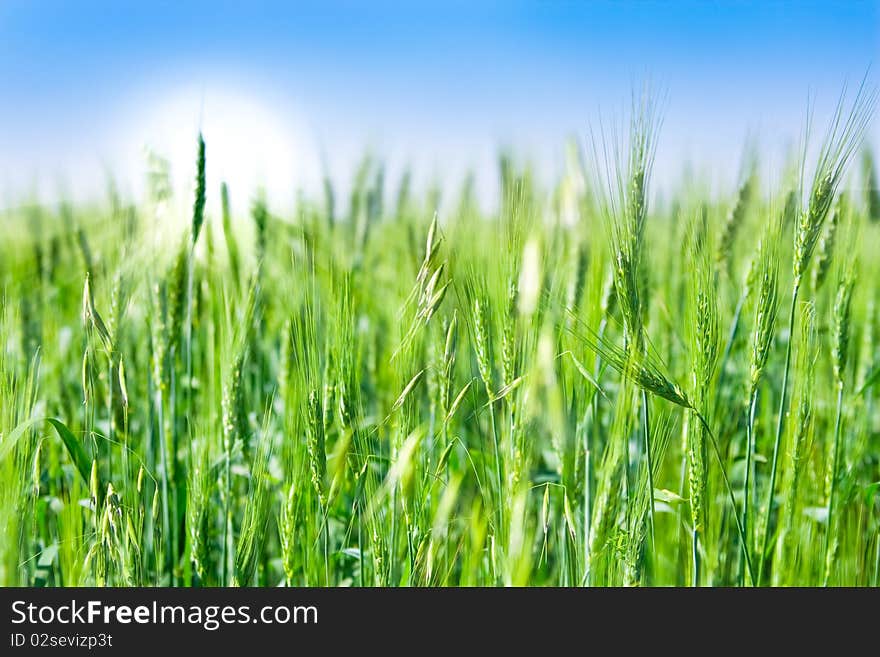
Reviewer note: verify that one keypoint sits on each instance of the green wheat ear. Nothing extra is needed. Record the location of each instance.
(737, 216)
(198, 217)
(644, 369)
(842, 329)
(625, 207)
(826, 244)
(767, 304)
(842, 141)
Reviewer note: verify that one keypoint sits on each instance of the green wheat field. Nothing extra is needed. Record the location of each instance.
(594, 384)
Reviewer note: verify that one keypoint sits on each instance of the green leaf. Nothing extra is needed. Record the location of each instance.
(77, 454)
(80, 459)
(872, 378)
(352, 552)
(586, 374)
(664, 495)
(47, 556)
(8, 442)
(872, 491)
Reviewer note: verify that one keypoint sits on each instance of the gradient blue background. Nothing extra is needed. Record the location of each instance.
(439, 85)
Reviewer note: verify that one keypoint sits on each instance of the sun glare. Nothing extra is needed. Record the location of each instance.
(251, 144)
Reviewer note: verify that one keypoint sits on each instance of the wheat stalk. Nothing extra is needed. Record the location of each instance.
(841, 142)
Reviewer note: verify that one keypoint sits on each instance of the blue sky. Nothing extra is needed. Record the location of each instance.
(84, 85)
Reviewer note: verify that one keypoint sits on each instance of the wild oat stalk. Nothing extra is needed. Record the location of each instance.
(429, 290)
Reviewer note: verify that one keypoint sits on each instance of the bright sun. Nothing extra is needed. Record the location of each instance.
(250, 143)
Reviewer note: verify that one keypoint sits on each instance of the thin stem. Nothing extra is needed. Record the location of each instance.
(166, 534)
(172, 465)
(680, 513)
(695, 558)
(227, 525)
(189, 327)
(832, 496)
(111, 418)
(588, 492)
(326, 534)
(360, 544)
(877, 559)
(750, 450)
(498, 477)
(650, 465)
(739, 527)
(780, 420)
(588, 506)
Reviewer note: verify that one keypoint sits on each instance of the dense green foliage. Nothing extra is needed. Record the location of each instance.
(579, 388)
